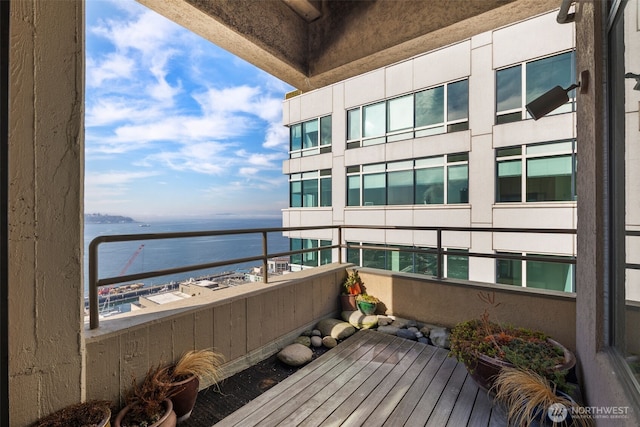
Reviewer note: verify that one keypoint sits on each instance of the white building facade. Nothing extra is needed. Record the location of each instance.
(443, 140)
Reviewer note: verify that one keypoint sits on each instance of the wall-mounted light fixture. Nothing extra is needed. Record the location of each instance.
(634, 76)
(554, 98)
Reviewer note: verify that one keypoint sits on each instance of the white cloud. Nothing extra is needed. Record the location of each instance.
(111, 66)
(277, 137)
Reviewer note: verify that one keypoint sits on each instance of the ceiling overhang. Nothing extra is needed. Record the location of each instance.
(314, 43)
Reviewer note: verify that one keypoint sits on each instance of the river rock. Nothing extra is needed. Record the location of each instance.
(400, 323)
(345, 315)
(406, 334)
(316, 333)
(362, 321)
(316, 341)
(336, 328)
(304, 340)
(439, 336)
(295, 355)
(388, 329)
(384, 320)
(329, 342)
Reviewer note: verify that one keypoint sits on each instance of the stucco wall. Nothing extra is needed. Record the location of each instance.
(245, 324)
(446, 303)
(45, 207)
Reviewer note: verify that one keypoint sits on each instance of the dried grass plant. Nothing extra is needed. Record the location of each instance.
(147, 397)
(528, 395)
(204, 364)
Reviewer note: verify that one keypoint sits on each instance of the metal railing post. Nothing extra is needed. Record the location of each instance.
(94, 319)
(340, 244)
(439, 259)
(265, 252)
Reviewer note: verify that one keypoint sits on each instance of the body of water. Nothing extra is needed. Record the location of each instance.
(122, 258)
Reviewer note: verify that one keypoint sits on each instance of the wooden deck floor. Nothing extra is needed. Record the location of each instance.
(374, 379)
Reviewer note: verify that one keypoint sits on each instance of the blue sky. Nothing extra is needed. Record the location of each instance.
(175, 126)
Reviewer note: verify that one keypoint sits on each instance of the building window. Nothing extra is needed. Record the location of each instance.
(456, 264)
(310, 137)
(549, 172)
(518, 85)
(433, 180)
(310, 189)
(313, 258)
(432, 111)
(536, 274)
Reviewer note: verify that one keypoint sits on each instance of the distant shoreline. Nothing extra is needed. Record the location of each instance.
(107, 219)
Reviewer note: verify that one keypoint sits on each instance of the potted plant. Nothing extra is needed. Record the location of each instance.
(92, 413)
(183, 378)
(367, 304)
(486, 347)
(148, 403)
(351, 288)
(531, 399)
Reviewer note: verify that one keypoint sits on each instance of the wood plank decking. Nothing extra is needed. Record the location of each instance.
(374, 379)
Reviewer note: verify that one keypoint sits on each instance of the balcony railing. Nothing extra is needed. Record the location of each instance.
(95, 283)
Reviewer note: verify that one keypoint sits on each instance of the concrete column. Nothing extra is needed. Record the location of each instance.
(45, 207)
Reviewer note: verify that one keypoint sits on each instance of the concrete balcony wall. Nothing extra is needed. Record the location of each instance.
(246, 324)
(446, 303)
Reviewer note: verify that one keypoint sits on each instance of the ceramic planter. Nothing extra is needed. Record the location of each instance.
(348, 302)
(168, 419)
(367, 307)
(485, 368)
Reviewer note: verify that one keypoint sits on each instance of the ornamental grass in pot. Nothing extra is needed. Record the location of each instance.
(184, 377)
(367, 304)
(148, 403)
(486, 347)
(92, 413)
(533, 400)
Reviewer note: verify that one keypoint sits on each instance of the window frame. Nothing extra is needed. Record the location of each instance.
(447, 125)
(319, 176)
(319, 147)
(569, 107)
(524, 156)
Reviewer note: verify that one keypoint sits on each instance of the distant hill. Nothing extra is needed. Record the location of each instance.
(106, 219)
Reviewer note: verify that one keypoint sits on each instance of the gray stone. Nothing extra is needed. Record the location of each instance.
(316, 341)
(346, 314)
(439, 336)
(316, 333)
(384, 320)
(336, 328)
(295, 355)
(400, 323)
(388, 329)
(304, 340)
(426, 330)
(306, 333)
(329, 342)
(362, 321)
(419, 334)
(407, 334)
(412, 329)
(423, 340)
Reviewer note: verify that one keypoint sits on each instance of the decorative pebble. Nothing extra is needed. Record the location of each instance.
(316, 333)
(362, 321)
(338, 329)
(316, 341)
(295, 355)
(305, 341)
(329, 342)
(389, 329)
(407, 334)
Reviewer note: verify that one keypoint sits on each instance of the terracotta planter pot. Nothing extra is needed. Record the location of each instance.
(486, 368)
(183, 397)
(348, 302)
(168, 419)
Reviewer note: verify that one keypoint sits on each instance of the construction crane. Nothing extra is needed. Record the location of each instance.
(106, 291)
(133, 258)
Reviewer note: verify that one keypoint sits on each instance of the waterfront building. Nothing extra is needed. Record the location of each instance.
(443, 139)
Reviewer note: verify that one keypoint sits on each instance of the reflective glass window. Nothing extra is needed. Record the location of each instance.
(374, 118)
(353, 190)
(353, 124)
(549, 179)
(325, 130)
(550, 275)
(400, 113)
(509, 89)
(325, 191)
(296, 137)
(458, 184)
(374, 189)
(546, 73)
(429, 107)
(509, 182)
(295, 194)
(400, 188)
(458, 100)
(310, 134)
(310, 193)
(430, 186)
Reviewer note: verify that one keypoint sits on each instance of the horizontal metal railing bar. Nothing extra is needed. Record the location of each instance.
(95, 282)
(453, 252)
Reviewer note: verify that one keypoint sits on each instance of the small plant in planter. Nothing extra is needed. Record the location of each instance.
(486, 347)
(529, 397)
(92, 413)
(367, 303)
(351, 288)
(148, 403)
(184, 378)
